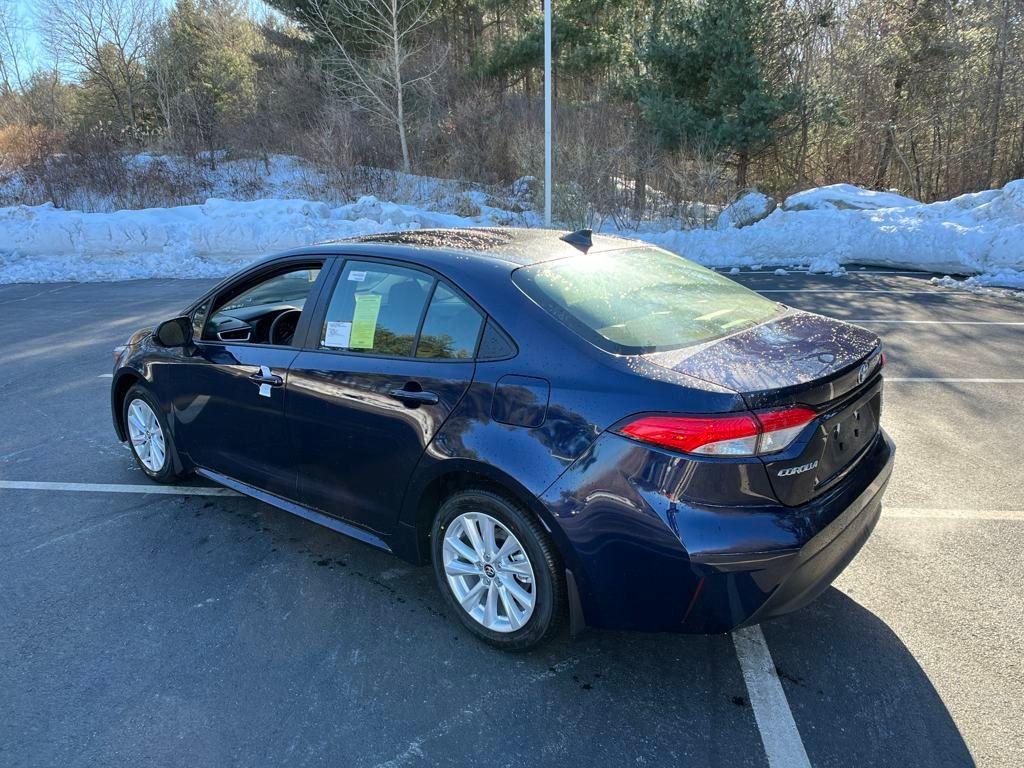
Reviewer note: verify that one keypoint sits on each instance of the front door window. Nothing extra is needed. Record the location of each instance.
(266, 312)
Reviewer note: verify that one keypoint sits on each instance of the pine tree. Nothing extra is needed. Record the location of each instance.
(709, 79)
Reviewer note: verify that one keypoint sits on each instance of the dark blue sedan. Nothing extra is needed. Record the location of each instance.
(569, 427)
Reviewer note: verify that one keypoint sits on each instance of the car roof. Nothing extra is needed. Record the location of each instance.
(515, 246)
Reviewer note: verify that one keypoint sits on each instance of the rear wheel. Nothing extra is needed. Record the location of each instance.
(148, 436)
(498, 570)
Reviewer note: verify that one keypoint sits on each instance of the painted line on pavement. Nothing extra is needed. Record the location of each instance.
(856, 290)
(190, 490)
(782, 743)
(168, 490)
(927, 380)
(918, 513)
(936, 322)
(105, 376)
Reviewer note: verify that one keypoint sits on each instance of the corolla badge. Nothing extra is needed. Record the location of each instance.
(797, 470)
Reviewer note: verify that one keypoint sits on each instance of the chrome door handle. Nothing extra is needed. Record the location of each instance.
(264, 376)
(409, 397)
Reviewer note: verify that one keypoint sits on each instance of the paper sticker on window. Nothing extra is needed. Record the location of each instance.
(357, 277)
(338, 335)
(364, 320)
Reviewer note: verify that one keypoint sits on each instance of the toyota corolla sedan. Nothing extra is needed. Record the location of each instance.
(570, 428)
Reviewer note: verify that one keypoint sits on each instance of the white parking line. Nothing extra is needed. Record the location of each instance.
(938, 322)
(105, 376)
(917, 513)
(855, 290)
(925, 379)
(169, 490)
(188, 490)
(782, 743)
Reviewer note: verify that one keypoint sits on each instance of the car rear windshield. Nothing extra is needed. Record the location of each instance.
(638, 300)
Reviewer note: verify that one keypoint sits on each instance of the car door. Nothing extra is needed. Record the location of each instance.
(229, 397)
(389, 356)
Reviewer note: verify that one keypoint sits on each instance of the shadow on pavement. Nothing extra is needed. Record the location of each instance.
(858, 695)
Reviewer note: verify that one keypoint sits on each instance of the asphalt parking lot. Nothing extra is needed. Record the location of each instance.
(211, 630)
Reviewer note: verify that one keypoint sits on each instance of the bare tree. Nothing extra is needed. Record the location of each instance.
(108, 40)
(373, 44)
(163, 66)
(12, 47)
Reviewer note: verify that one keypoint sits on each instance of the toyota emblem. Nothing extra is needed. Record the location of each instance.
(862, 373)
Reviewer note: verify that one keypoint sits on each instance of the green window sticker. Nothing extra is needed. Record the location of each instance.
(364, 320)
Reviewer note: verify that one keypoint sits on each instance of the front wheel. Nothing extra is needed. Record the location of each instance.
(148, 436)
(498, 570)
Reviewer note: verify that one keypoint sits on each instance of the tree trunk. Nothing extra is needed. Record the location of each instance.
(742, 165)
(890, 134)
(396, 52)
(993, 136)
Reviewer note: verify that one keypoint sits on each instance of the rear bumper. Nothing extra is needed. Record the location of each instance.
(644, 558)
(749, 588)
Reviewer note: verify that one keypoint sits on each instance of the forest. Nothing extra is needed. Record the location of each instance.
(660, 105)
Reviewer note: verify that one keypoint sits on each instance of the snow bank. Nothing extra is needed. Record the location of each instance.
(978, 234)
(46, 244)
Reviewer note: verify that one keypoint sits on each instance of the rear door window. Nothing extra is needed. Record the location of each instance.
(639, 300)
(451, 327)
(376, 309)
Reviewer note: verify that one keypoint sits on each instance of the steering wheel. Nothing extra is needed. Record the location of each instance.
(282, 330)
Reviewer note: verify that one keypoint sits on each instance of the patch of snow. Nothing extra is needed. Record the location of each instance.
(982, 235)
(45, 244)
(992, 285)
(781, 271)
(749, 209)
(844, 197)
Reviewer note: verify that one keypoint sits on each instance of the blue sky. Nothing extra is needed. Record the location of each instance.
(30, 12)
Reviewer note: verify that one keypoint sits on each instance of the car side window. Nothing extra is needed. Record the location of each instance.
(376, 309)
(266, 312)
(451, 327)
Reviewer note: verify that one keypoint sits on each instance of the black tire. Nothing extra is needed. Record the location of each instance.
(549, 576)
(167, 472)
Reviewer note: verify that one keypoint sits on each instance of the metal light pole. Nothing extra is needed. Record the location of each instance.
(547, 113)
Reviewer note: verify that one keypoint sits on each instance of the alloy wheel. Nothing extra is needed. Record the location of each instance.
(489, 572)
(147, 435)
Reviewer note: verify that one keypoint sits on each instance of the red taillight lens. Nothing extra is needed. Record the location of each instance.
(780, 428)
(732, 434)
(727, 435)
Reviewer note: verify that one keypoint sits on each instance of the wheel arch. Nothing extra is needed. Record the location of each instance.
(123, 381)
(426, 494)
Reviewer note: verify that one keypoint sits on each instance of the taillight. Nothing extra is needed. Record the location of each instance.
(728, 434)
(780, 428)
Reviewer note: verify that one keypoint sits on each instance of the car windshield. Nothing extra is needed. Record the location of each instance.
(638, 300)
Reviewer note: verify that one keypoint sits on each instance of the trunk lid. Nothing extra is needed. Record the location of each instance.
(799, 359)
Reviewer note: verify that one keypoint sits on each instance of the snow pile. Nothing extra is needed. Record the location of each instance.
(844, 197)
(46, 244)
(749, 209)
(978, 234)
(261, 208)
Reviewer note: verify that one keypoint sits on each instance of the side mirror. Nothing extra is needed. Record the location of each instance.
(176, 332)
